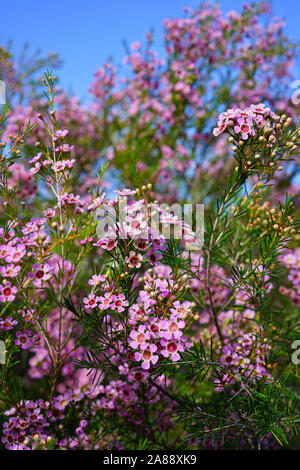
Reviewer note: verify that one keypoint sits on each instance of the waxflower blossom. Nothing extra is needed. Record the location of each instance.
(7, 324)
(119, 302)
(246, 357)
(10, 270)
(154, 257)
(66, 148)
(61, 133)
(49, 213)
(15, 253)
(106, 301)
(172, 328)
(147, 356)
(91, 301)
(26, 339)
(97, 202)
(7, 292)
(134, 259)
(125, 192)
(245, 121)
(107, 243)
(291, 261)
(96, 279)
(61, 165)
(139, 337)
(171, 349)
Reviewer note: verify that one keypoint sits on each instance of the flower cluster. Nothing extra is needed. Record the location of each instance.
(244, 360)
(291, 261)
(245, 122)
(31, 424)
(156, 334)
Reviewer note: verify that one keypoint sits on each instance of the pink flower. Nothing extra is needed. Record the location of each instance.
(49, 213)
(96, 279)
(15, 253)
(60, 166)
(139, 337)
(119, 302)
(106, 301)
(26, 339)
(244, 126)
(125, 192)
(153, 257)
(107, 243)
(167, 152)
(171, 349)
(136, 45)
(181, 308)
(7, 292)
(147, 356)
(7, 324)
(65, 148)
(61, 133)
(134, 260)
(96, 202)
(41, 273)
(10, 270)
(91, 301)
(171, 328)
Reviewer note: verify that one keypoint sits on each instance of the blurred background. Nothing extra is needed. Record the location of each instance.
(85, 33)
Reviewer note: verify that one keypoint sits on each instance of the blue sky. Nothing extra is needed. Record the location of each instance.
(86, 32)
